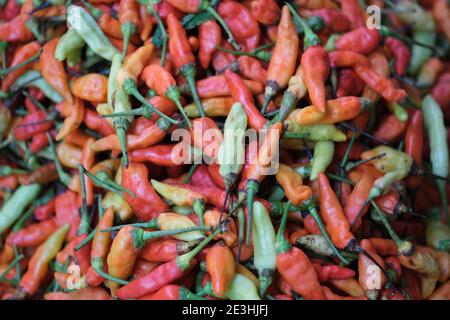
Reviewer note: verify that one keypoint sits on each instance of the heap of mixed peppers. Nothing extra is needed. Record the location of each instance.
(95, 206)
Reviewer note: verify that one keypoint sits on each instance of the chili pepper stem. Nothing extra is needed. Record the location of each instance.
(207, 7)
(84, 223)
(164, 233)
(97, 265)
(190, 173)
(310, 39)
(405, 248)
(251, 188)
(12, 265)
(129, 85)
(312, 210)
(63, 176)
(103, 181)
(128, 29)
(152, 224)
(241, 221)
(174, 94)
(122, 136)
(20, 65)
(184, 260)
(199, 208)
(85, 240)
(163, 34)
(282, 245)
(188, 72)
(352, 165)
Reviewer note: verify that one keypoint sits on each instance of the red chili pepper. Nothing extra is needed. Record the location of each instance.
(353, 11)
(331, 211)
(163, 250)
(333, 19)
(31, 125)
(23, 53)
(332, 272)
(414, 144)
(347, 58)
(217, 86)
(251, 68)
(380, 84)
(401, 54)
(16, 29)
(266, 12)
(209, 36)
(284, 58)
(10, 10)
(163, 274)
(147, 203)
(390, 128)
(349, 84)
(361, 40)
(160, 155)
(357, 199)
(240, 93)
(32, 235)
(213, 170)
(67, 212)
(45, 211)
(241, 23)
(38, 142)
(365, 270)
(202, 178)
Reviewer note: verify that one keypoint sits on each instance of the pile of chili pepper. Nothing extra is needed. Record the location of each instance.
(344, 197)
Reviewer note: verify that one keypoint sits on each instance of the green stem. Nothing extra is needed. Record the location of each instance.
(152, 224)
(251, 188)
(147, 235)
(86, 240)
(10, 267)
(223, 24)
(163, 34)
(188, 72)
(352, 165)
(310, 39)
(20, 65)
(97, 264)
(128, 29)
(190, 173)
(63, 176)
(83, 228)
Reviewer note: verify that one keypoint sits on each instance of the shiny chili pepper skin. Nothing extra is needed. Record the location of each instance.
(390, 129)
(361, 40)
(16, 29)
(91, 87)
(349, 84)
(333, 215)
(39, 263)
(240, 93)
(53, 70)
(332, 272)
(32, 124)
(316, 67)
(147, 202)
(32, 235)
(45, 211)
(334, 19)
(209, 36)
(401, 54)
(67, 212)
(266, 12)
(356, 200)
(241, 23)
(22, 54)
(221, 267)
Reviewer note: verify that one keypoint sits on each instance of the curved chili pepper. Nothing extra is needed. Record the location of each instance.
(147, 202)
(91, 87)
(220, 265)
(182, 56)
(209, 36)
(240, 93)
(53, 70)
(32, 124)
(163, 274)
(364, 269)
(361, 40)
(315, 64)
(400, 52)
(284, 58)
(265, 12)
(390, 129)
(75, 115)
(16, 29)
(39, 263)
(349, 84)
(130, 21)
(164, 249)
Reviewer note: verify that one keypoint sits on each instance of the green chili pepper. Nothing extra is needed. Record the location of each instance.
(84, 24)
(15, 205)
(437, 134)
(33, 25)
(232, 150)
(323, 155)
(68, 42)
(264, 246)
(316, 132)
(242, 288)
(420, 54)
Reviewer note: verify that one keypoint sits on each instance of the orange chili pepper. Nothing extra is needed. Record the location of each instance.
(353, 209)
(292, 184)
(221, 267)
(53, 70)
(75, 111)
(91, 87)
(284, 57)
